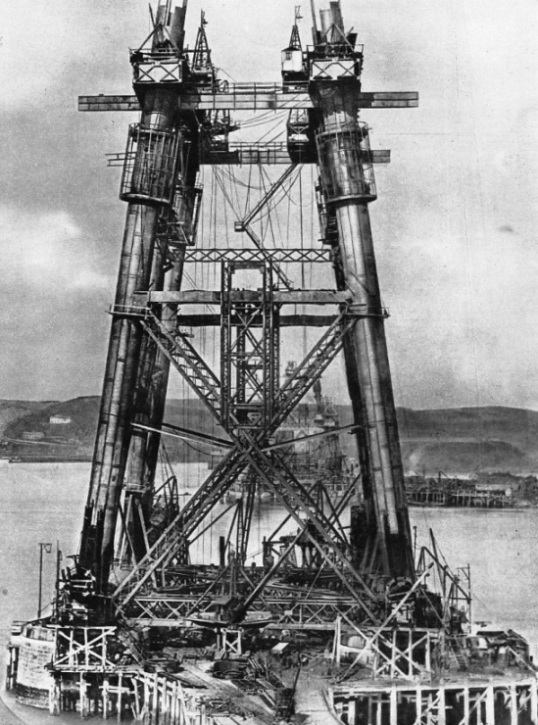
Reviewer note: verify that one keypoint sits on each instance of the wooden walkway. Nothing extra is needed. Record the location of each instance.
(312, 703)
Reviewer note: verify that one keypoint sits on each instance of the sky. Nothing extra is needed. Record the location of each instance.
(455, 225)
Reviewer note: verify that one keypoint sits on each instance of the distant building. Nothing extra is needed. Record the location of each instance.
(33, 435)
(59, 419)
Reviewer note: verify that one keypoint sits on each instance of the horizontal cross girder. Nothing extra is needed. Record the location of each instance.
(256, 255)
(251, 98)
(246, 154)
(211, 297)
(284, 321)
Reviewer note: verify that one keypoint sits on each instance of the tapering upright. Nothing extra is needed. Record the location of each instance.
(381, 533)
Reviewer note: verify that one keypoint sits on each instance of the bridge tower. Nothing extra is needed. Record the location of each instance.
(337, 568)
(185, 122)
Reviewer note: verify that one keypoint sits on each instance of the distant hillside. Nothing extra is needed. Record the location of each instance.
(58, 430)
(11, 410)
(456, 441)
(463, 440)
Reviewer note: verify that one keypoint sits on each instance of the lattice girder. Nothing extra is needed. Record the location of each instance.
(173, 545)
(187, 361)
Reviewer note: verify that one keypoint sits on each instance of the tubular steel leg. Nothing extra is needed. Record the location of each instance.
(123, 357)
(347, 194)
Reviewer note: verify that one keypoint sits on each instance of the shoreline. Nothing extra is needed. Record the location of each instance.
(13, 713)
(7, 716)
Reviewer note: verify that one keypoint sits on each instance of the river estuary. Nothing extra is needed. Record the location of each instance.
(43, 503)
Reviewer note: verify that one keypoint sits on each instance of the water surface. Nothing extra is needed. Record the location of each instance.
(43, 502)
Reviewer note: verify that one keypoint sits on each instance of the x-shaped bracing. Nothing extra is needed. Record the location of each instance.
(326, 538)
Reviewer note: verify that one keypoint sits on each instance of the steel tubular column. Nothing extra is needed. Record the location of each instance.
(347, 194)
(155, 136)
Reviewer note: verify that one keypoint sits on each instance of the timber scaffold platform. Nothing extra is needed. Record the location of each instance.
(389, 689)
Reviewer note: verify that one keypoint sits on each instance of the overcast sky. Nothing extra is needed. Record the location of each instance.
(456, 223)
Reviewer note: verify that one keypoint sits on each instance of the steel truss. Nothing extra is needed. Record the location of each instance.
(396, 628)
(302, 611)
(250, 407)
(255, 255)
(247, 402)
(244, 397)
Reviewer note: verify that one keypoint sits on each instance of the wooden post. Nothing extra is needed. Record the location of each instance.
(164, 702)
(161, 695)
(169, 701)
(147, 704)
(156, 703)
(418, 705)
(173, 704)
(175, 711)
(466, 705)
(72, 657)
(441, 706)
(393, 655)
(393, 707)
(173, 701)
(490, 706)
(379, 711)
(352, 712)
(104, 646)
(83, 697)
(118, 700)
(336, 646)
(369, 709)
(427, 704)
(534, 701)
(105, 691)
(136, 709)
(182, 705)
(11, 668)
(55, 696)
(513, 703)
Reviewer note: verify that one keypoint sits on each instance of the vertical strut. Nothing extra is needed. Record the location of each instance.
(148, 184)
(348, 187)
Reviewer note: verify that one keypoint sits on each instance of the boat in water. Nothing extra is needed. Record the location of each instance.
(332, 616)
